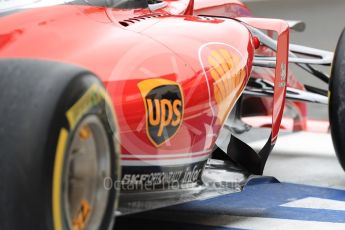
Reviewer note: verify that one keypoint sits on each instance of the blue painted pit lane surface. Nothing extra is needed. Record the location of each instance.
(259, 206)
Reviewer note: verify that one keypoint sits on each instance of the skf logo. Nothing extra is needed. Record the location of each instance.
(163, 101)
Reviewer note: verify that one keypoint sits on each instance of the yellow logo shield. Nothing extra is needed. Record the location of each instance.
(163, 101)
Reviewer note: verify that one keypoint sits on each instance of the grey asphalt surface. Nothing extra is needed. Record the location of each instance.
(324, 19)
(307, 158)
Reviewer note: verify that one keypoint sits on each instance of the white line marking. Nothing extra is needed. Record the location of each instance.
(165, 155)
(316, 203)
(271, 223)
(244, 222)
(163, 162)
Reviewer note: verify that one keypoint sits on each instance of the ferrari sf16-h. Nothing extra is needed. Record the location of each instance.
(109, 108)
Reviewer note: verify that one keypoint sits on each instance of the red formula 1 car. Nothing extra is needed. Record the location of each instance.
(123, 106)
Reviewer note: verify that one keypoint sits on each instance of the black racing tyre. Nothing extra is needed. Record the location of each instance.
(57, 147)
(337, 100)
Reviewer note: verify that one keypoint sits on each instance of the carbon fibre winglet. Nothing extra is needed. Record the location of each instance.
(237, 149)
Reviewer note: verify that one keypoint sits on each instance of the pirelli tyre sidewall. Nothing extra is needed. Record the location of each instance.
(337, 100)
(54, 99)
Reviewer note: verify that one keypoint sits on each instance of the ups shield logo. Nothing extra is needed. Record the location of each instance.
(163, 101)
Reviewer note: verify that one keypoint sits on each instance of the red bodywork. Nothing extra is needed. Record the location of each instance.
(258, 106)
(210, 59)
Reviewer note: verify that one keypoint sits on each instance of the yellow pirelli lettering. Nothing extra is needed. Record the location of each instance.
(93, 96)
